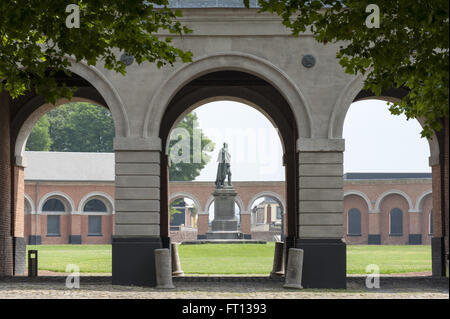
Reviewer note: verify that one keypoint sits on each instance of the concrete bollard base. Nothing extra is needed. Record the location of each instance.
(294, 269)
(163, 266)
(278, 261)
(176, 264)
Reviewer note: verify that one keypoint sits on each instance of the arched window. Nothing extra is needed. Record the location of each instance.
(354, 222)
(95, 221)
(95, 205)
(396, 222)
(431, 222)
(53, 205)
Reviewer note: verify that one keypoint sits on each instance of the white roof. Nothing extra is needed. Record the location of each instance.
(69, 166)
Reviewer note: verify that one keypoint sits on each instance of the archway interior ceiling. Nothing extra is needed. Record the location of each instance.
(236, 84)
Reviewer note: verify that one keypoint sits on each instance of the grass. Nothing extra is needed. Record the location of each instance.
(390, 259)
(236, 259)
(90, 258)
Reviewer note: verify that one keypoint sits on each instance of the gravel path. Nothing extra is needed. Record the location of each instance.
(232, 288)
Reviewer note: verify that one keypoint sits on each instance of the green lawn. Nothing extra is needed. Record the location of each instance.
(236, 259)
(90, 258)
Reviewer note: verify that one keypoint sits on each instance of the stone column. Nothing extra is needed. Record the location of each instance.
(6, 240)
(321, 212)
(19, 242)
(137, 207)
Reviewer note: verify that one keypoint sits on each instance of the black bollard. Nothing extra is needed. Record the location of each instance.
(32, 263)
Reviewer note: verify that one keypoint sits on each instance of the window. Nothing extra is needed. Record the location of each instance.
(53, 205)
(431, 222)
(279, 212)
(94, 225)
(95, 205)
(53, 223)
(354, 222)
(396, 222)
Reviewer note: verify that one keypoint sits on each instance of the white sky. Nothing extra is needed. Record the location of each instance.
(376, 141)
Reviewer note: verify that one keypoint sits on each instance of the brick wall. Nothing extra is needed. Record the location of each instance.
(6, 243)
(372, 223)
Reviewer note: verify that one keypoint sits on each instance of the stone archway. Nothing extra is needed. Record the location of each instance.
(92, 86)
(251, 90)
(438, 161)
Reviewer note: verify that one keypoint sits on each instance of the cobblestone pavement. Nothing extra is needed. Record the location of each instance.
(100, 287)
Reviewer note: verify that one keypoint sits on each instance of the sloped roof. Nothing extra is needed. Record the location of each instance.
(349, 176)
(68, 166)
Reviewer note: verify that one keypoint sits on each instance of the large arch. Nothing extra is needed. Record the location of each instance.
(67, 201)
(93, 87)
(30, 202)
(228, 61)
(270, 194)
(237, 200)
(390, 192)
(420, 199)
(238, 86)
(178, 195)
(105, 198)
(362, 195)
(353, 92)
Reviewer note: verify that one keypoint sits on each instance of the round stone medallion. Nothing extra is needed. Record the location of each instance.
(127, 59)
(308, 61)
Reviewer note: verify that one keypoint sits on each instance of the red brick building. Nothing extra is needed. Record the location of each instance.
(69, 202)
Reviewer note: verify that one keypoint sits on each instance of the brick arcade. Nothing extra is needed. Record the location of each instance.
(232, 60)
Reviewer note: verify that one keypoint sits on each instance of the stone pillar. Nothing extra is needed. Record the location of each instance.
(6, 239)
(246, 224)
(202, 224)
(321, 212)
(225, 224)
(137, 207)
(439, 170)
(19, 242)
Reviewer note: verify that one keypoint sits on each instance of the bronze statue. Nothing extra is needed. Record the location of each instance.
(223, 169)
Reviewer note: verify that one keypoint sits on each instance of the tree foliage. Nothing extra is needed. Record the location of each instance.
(189, 170)
(409, 49)
(39, 139)
(84, 127)
(75, 127)
(35, 40)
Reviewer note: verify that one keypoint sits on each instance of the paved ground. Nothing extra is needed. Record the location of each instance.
(218, 288)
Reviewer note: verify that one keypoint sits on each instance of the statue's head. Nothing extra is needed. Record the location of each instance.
(225, 145)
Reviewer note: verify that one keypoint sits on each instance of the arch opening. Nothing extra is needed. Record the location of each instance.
(254, 92)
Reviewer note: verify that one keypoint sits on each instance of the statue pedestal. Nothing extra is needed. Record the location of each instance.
(225, 224)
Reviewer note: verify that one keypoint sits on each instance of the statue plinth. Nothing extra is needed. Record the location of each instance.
(225, 224)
